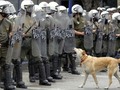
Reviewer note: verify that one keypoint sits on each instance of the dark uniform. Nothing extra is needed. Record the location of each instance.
(5, 29)
(78, 26)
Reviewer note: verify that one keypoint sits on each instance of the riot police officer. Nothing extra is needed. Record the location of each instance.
(68, 48)
(43, 39)
(33, 50)
(55, 41)
(90, 29)
(100, 33)
(5, 30)
(78, 21)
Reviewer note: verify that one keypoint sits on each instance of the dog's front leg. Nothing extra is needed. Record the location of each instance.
(95, 79)
(86, 76)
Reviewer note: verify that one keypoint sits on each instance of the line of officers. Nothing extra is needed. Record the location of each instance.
(44, 34)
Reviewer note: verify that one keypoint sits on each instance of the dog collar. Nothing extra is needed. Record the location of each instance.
(83, 59)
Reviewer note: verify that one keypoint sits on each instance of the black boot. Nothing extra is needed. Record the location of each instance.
(65, 63)
(31, 70)
(1, 78)
(104, 54)
(42, 75)
(18, 70)
(89, 52)
(98, 55)
(55, 74)
(47, 70)
(7, 78)
(72, 58)
(36, 68)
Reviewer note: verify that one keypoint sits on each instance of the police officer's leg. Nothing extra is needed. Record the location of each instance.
(105, 48)
(42, 73)
(1, 77)
(59, 62)
(47, 69)
(55, 73)
(65, 62)
(36, 71)
(72, 57)
(98, 54)
(14, 75)
(31, 70)
(89, 52)
(7, 76)
(117, 55)
(18, 69)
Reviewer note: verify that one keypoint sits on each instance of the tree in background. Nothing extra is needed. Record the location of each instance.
(93, 4)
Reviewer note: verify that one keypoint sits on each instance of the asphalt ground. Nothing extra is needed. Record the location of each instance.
(72, 82)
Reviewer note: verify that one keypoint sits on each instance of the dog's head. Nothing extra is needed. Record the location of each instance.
(78, 51)
(81, 53)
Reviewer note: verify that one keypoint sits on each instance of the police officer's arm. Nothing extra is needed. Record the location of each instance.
(11, 29)
(78, 32)
(95, 27)
(118, 32)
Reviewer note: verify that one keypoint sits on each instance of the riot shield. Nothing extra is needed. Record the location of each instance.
(99, 39)
(88, 38)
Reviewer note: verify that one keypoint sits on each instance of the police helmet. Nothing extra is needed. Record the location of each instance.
(26, 3)
(93, 13)
(43, 4)
(104, 14)
(53, 5)
(115, 16)
(62, 8)
(77, 8)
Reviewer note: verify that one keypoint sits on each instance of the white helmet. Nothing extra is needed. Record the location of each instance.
(53, 5)
(109, 9)
(11, 9)
(104, 14)
(77, 8)
(113, 9)
(2, 4)
(118, 7)
(93, 13)
(118, 18)
(84, 13)
(26, 3)
(99, 8)
(36, 8)
(115, 16)
(43, 4)
(62, 8)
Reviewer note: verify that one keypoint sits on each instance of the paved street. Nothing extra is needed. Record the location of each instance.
(71, 82)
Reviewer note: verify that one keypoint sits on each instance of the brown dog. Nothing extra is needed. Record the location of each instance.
(91, 65)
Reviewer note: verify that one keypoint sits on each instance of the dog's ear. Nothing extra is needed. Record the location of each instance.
(83, 53)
